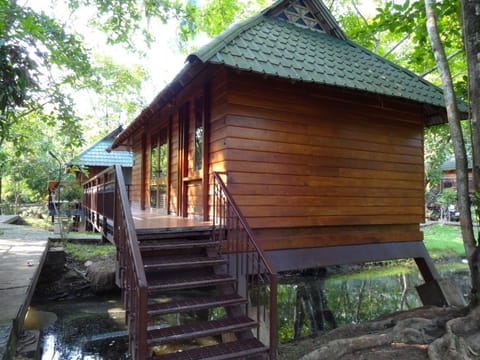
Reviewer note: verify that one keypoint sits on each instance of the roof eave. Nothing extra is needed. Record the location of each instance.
(164, 98)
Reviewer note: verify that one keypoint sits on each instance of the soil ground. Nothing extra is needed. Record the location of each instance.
(424, 325)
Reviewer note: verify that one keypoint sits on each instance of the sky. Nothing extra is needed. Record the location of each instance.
(162, 61)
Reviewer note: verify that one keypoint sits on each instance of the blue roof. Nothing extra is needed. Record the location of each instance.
(97, 154)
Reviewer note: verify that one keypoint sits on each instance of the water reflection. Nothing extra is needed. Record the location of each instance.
(312, 302)
(308, 303)
(84, 330)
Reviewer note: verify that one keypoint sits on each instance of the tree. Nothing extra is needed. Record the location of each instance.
(417, 19)
(471, 26)
(34, 50)
(117, 94)
(461, 162)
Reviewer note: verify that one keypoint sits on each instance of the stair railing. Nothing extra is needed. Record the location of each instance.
(130, 271)
(257, 279)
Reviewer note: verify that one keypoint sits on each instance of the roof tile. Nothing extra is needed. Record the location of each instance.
(97, 155)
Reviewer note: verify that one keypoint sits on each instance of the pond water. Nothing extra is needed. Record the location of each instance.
(308, 302)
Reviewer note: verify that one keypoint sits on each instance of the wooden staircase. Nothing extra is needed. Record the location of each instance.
(199, 271)
(187, 275)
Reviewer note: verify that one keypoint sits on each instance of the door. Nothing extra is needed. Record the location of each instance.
(192, 159)
(159, 171)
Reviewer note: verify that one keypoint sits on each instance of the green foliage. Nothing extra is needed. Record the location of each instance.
(408, 17)
(447, 197)
(210, 19)
(118, 93)
(33, 47)
(124, 21)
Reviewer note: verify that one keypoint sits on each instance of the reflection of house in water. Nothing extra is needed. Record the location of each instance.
(281, 145)
(97, 157)
(449, 175)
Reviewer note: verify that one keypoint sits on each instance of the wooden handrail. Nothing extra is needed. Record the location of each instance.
(244, 223)
(132, 234)
(130, 272)
(247, 258)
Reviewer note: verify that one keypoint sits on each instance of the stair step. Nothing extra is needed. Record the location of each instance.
(185, 244)
(174, 233)
(199, 329)
(194, 304)
(229, 350)
(180, 281)
(182, 261)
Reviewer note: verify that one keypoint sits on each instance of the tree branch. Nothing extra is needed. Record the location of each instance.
(451, 56)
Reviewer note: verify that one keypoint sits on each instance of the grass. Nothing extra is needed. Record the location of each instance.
(86, 251)
(79, 251)
(443, 241)
(37, 222)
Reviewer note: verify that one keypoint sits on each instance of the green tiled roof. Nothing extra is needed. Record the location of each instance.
(97, 155)
(301, 40)
(275, 47)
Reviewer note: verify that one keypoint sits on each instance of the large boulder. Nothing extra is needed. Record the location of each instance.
(101, 273)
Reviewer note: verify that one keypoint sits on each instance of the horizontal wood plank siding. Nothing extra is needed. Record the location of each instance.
(309, 237)
(297, 160)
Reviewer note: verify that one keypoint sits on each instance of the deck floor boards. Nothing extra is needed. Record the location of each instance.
(151, 220)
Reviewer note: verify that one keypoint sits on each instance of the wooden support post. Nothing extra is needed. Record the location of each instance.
(430, 293)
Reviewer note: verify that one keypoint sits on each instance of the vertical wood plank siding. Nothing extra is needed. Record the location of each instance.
(136, 187)
(308, 162)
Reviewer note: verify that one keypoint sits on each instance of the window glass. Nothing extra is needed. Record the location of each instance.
(199, 132)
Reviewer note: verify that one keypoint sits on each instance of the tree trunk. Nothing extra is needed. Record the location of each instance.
(456, 134)
(471, 33)
(1, 183)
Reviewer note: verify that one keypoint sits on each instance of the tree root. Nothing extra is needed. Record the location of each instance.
(441, 328)
(461, 339)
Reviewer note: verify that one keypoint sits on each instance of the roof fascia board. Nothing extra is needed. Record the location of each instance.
(191, 69)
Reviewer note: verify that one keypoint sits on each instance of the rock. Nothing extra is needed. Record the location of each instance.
(101, 274)
(71, 275)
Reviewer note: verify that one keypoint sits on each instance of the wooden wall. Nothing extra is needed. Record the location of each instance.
(311, 166)
(137, 187)
(192, 181)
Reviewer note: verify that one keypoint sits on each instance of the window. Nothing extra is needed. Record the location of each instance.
(159, 169)
(199, 134)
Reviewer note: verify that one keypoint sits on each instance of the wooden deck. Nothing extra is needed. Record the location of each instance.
(151, 220)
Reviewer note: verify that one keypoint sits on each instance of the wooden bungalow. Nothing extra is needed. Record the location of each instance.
(280, 145)
(449, 175)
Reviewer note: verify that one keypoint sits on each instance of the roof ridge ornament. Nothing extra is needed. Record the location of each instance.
(308, 13)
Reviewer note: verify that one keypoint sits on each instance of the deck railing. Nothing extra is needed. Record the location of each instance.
(257, 279)
(130, 271)
(98, 202)
(98, 194)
